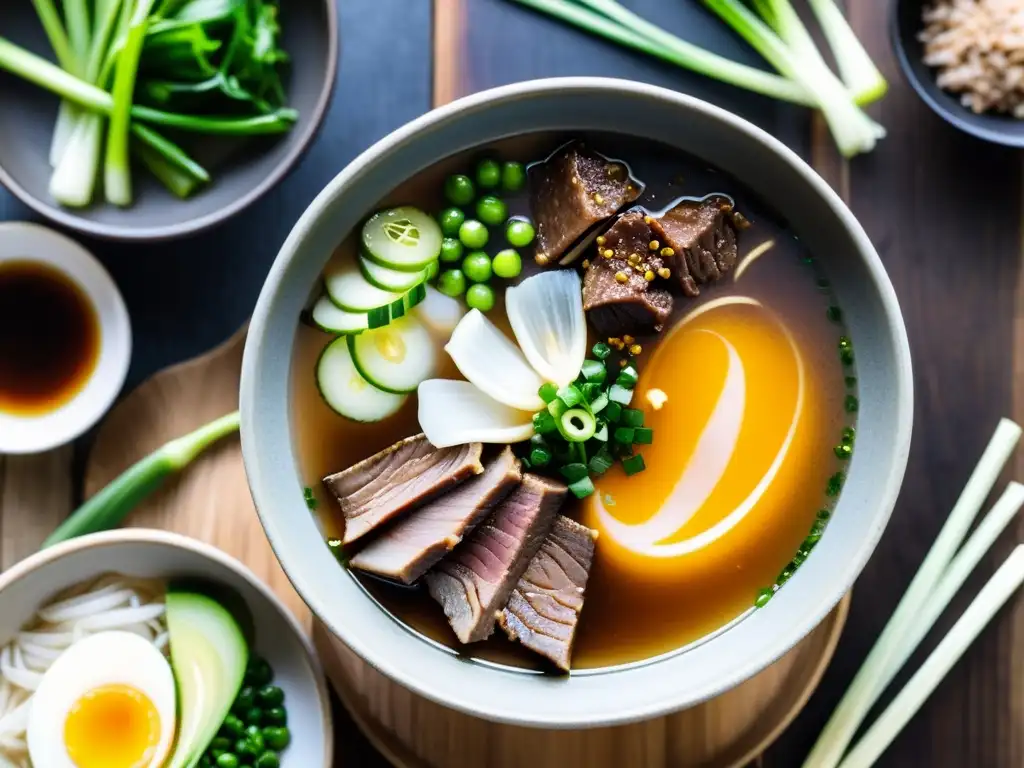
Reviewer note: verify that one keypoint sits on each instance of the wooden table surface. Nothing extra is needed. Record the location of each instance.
(943, 210)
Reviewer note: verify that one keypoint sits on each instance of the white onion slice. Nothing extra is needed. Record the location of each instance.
(492, 363)
(546, 314)
(440, 313)
(456, 413)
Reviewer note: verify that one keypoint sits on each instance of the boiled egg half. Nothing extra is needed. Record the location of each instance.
(108, 701)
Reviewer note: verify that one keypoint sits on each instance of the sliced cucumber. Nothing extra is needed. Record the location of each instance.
(405, 239)
(397, 358)
(347, 392)
(328, 317)
(348, 289)
(389, 279)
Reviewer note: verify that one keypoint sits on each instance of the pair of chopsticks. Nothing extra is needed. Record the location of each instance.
(945, 569)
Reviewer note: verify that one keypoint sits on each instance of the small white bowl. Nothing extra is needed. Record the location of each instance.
(158, 554)
(21, 241)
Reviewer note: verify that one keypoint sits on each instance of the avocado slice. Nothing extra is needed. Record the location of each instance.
(209, 654)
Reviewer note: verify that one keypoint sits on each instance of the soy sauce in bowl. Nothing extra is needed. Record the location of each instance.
(49, 338)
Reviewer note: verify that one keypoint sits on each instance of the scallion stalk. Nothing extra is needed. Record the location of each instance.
(108, 508)
(673, 50)
(117, 179)
(49, 16)
(885, 656)
(858, 71)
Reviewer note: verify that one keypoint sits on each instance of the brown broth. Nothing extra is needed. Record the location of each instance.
(49, 338)
(631, 613)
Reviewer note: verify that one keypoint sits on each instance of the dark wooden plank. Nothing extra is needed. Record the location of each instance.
(944, 212)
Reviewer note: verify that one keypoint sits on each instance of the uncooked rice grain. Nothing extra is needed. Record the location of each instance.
(978, 48)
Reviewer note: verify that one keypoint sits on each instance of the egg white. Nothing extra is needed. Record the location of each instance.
(103, 659)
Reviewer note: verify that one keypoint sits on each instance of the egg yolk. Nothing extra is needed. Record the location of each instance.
(115, 726)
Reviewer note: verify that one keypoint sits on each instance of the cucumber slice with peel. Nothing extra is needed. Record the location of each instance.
(397, 358)
(389, 279)
(346, 392)
(330, 318)
(405, 239)
(348, 289)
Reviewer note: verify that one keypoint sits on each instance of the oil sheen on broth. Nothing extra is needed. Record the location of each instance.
(743, 449)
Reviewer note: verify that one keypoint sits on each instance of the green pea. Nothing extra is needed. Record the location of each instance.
(452, 283)
(513, 177)
(451, 250)
(253, 716)
(270, 696)
(244, 748)
(233, 727)
(268, 760)
(275, 716)
(480, 296)
(477, 267)
(206, 761)
(459, 189)
(245, 701)
(432, 269)
(491, 210)
(488, 174)
(222, 743)
(277, 738)
(519, 232)
(507, 263)
(473, 234)
(258, 672)
(450, 220)
(254, 735)
(227, 760)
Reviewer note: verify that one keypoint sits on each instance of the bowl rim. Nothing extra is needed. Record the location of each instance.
(84, 409)
(255, 357)
(961, 122)
(132, 234)
(45, 557)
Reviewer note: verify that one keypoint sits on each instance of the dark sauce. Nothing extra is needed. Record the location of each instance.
(49, 338)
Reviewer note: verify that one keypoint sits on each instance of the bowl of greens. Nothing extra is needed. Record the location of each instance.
(154, 119)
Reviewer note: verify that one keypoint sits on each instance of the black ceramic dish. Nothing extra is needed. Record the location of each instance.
(240, 176)
(906, 24)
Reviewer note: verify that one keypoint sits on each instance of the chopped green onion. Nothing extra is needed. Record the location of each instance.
(590, 391)
(631, 417)
(624, 435)
(582, 487)
(570, 395)
(540, 457)
(601, 433)
(622, 449)
(548, 391)
(614, 411)
(620, 394)
(601, 461)
(599, 403)
(634, 464)
(593, 371)
(627, 377)
(544, 422)
(643, 436)
(577, 425)
(556, 408)
(601, 350)
(574, 472)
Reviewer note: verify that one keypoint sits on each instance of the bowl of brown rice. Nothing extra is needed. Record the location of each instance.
(965, 59)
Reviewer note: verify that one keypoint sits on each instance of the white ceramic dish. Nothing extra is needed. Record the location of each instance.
(158, 554)
(619, 694)
(32, 434)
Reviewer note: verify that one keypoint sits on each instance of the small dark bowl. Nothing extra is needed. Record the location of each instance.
(905, 25)
(242, 170)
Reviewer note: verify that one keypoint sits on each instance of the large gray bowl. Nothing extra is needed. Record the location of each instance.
(621, 694)
(242, 170)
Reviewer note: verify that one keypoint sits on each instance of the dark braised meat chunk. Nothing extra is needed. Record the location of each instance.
(697, 239)
(620, 294)
(408, 549)
(398, 479)
(474, 582)
(573, 191)
(545, 606)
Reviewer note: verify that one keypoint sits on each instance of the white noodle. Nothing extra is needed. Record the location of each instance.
(110, 602)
